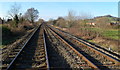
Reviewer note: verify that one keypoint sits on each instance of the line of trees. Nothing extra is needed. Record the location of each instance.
(71, 19)
(30, 15)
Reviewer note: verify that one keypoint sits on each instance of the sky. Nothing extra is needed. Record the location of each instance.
(48, 10)
(59, 0)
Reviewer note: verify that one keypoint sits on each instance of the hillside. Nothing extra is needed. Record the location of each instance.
(102, 30)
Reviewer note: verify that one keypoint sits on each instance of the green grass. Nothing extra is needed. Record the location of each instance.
(91, 41)
(107, 33)
(113, 34)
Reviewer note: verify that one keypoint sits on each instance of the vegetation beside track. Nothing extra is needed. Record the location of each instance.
(18, 24)
(102, 33)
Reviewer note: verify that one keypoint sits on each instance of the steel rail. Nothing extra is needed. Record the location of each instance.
(9, 66)
(79, 54)
(47, 61)
(108, 52)
(94, 49)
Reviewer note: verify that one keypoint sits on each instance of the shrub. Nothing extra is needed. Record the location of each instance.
(18, 31)
(6, 31)
(6, 35)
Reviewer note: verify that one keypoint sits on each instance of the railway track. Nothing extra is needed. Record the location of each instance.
(109, 52)
(105, 50)
(100, 59)
(50, 48)
(71, 55)
(55, 59)
(9, 53)
(32, 55)
(6, 50)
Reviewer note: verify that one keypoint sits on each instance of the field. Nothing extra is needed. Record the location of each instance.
(107, 33)
(113, 34)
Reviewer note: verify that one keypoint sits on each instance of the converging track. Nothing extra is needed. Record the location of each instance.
(32, 55)
(103, 60)
(50, 48)
(72, 56)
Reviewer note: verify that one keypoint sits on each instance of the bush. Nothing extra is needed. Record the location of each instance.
(18, 31)
(10, 34)
(6, 31)
(6, 35)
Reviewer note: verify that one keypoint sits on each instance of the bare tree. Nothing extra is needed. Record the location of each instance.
(71, 15)
(15, 9)
(13, 13)
(31, 14)
(71, 18)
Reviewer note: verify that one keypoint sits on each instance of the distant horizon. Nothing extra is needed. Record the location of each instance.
(63, 17)
(53, 10)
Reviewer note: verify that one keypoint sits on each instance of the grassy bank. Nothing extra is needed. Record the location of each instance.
(107, 33)
(9, 36)
(113, 34)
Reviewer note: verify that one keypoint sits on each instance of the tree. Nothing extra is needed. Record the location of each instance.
(15, 9)
(14, 13)
(31, 14)
(41, 20)
(71, 15)
(51, 21)
(60, 22)
(16, 19)
(71, 18)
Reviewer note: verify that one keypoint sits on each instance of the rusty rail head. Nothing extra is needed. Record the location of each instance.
(11, 63)
(79, 54)
(98, 52)
(46, 50)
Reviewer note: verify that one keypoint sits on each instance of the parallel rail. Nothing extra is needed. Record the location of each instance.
(7, 50)
(9, 61)
(75, 52)
(11, 64)
(91, 52)
(102, 49)
(46, 51)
